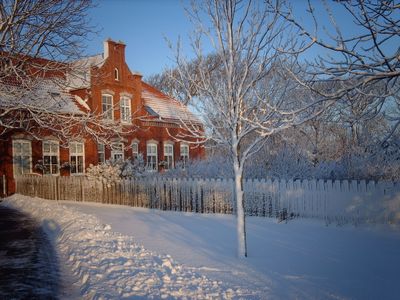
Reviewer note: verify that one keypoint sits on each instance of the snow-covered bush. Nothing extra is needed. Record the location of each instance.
(113, 171)
(108, 172)
(133, 168)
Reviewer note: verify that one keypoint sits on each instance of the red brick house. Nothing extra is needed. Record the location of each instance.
(108, 87)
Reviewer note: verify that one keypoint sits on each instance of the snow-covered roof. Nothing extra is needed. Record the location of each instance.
(46, 95)
(80, 75)
(82, 102)
(160, 105)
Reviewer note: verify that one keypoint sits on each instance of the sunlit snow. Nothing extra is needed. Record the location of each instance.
(124, 252)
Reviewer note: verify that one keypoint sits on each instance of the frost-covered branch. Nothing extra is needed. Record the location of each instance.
(361, 57)
(246, 97)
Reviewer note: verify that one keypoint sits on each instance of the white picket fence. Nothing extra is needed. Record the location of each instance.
(334, 201)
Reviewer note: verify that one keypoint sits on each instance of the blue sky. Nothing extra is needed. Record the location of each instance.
(143, 26)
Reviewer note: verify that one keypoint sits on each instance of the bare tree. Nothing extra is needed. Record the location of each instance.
(361, 59)
(41, 42)
(168, 81)
(247, 98)
(52, 29)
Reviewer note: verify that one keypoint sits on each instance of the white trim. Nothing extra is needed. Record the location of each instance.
(21, 136)
(119, 140)
(126, 94)
(152, 142)
(107, 92)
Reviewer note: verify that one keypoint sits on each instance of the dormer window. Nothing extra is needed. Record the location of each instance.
(116, 74)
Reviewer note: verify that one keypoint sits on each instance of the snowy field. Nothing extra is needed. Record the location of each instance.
(110, 252)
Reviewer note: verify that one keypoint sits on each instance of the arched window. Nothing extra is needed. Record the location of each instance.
(116, 74)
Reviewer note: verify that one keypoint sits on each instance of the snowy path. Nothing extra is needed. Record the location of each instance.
(28, 263)
(109, 265)
(193, 256)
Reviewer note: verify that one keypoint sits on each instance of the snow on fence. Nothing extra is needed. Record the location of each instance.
(334, 201)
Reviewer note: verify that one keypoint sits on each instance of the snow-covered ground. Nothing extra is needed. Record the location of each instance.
(118, 251)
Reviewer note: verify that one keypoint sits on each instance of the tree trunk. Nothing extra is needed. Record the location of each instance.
(241, 221)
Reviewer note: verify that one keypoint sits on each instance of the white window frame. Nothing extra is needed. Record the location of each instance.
(107, 108)
(117, 149)
(152, 156)
(54, 151)
(101, 153)
(184, 154)
(125, 110)
(169, 155)
(76, 154)
(19, 156)
(116, 74)
(135, 149)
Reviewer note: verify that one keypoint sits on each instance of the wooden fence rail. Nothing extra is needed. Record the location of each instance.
(333, 201)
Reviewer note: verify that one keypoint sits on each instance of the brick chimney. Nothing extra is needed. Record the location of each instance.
(113, 49)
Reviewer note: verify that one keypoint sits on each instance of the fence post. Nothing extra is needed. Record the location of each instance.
(4, 185)
(82, 189)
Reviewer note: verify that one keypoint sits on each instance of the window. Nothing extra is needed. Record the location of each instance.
(116, 74)
(117, 151)
(76, 157)
(125, 104)
(151, 161)
(107, 106)
(22, 157)
(135, 149)
(101, 153)
(51, 156)
(184, 154)
(169, 156)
